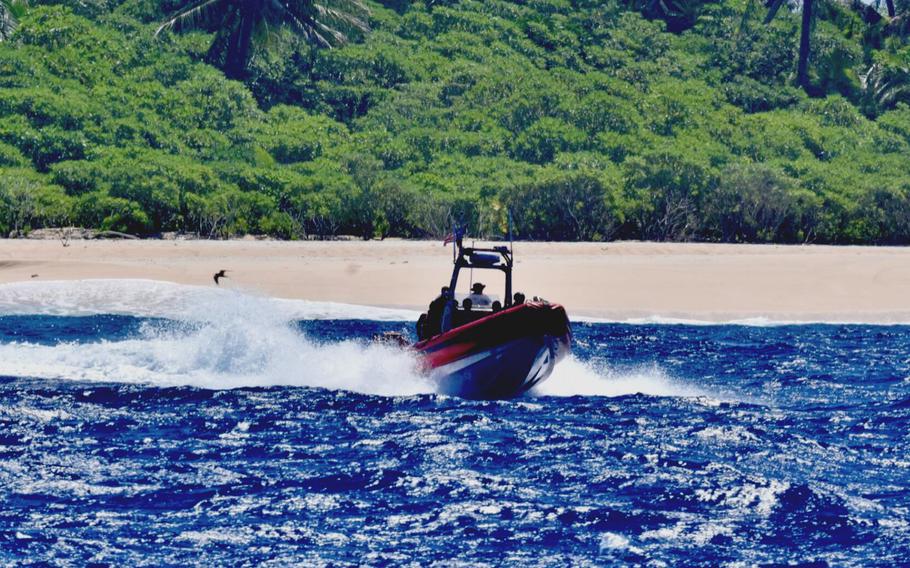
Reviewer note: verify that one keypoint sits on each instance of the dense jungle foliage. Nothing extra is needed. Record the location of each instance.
(586, 119)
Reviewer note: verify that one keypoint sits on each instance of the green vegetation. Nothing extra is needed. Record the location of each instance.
(238, 24)
(10, 10)
(667, 120)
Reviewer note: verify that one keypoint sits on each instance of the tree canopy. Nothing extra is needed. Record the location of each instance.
(586, 119)
(238, 24)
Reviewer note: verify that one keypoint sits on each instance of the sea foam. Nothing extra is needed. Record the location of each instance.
(573, 377)
(154, 298)
(225, 338)
(216, 339)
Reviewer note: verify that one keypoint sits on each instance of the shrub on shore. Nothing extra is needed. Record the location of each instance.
(586, 120)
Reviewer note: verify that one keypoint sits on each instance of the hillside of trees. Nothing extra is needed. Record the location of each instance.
(587, 120)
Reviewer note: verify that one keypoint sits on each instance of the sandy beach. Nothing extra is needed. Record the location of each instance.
(621, 281)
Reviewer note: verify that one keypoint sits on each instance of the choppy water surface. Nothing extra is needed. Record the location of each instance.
(239, 431)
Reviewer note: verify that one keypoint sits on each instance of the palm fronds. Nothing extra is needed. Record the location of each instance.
(193, 16)
(238, 24)
(10, 12)
(886, 84)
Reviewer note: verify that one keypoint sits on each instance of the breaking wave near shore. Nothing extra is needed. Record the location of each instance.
(146, 422)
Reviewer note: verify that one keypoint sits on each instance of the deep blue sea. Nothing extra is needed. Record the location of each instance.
(236, 436)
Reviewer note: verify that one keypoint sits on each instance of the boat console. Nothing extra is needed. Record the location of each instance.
(449, 310)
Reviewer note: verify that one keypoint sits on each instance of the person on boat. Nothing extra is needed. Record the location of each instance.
(477, 297)
(519, 298)
(421, 327)
(434, 315)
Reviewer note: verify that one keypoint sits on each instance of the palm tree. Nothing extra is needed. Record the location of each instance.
(10, 12)
(240, 23)
(886, 82)
(802, 66)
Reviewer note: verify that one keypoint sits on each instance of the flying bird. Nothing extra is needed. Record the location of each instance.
(218, 275)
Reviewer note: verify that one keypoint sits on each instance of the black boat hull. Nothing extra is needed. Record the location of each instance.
(504, 371)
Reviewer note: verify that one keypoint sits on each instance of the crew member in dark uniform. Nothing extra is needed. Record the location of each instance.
(434, 314)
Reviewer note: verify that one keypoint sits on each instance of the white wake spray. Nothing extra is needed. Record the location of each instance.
(154, 298)
(573, 377)
(221, 338)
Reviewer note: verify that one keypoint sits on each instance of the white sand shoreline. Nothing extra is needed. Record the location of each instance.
(616, 281)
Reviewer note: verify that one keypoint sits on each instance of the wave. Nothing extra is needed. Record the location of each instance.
(255, 355)
(220, 339)
(573, 377)
(154, 298)
(758, 321)
(667, 320)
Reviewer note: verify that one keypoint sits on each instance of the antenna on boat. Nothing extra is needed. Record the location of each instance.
(472, 268)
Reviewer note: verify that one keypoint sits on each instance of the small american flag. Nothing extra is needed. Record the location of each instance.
(455, 236)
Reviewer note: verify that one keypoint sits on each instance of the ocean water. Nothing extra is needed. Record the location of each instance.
(151, 424)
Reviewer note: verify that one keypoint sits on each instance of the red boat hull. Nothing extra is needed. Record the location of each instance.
(501, 355)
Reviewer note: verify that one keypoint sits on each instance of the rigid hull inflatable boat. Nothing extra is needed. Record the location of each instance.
(476, 348)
